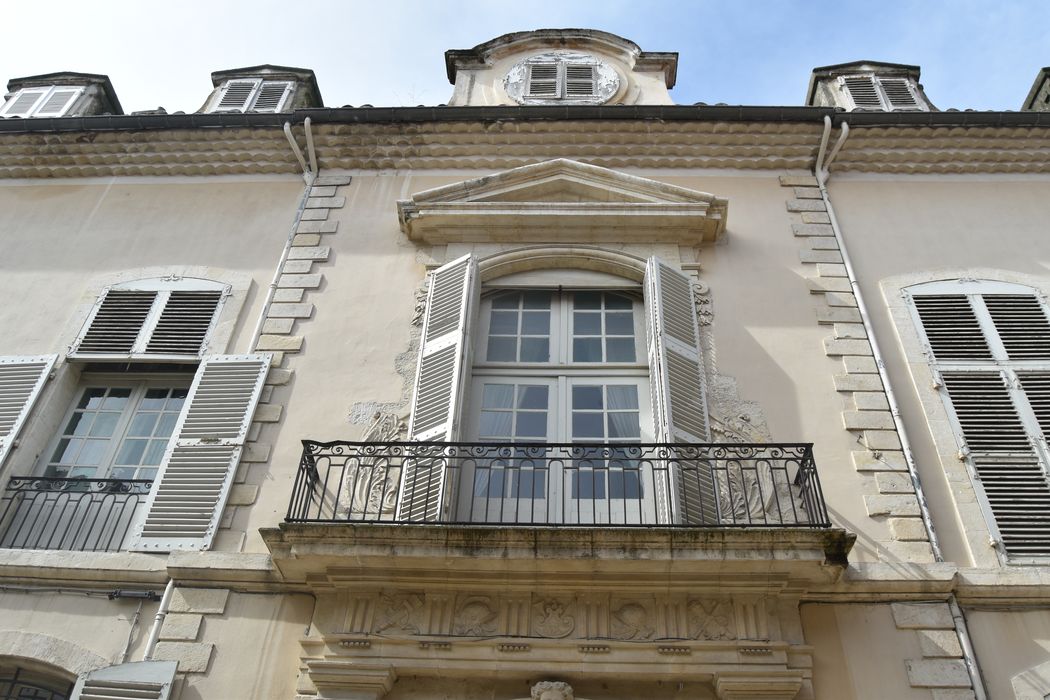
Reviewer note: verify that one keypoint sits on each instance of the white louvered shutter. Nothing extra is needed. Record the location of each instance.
(237, 95)
(23, 102)
(990, 346)
(150, 323)
(190, 490)
(56, 104)
(272, 96)
(678, 384)
(21, 381)
(440, 374)
(863, 92)
(898, 94)
(580, 80)
(543, 80)
(142, 680)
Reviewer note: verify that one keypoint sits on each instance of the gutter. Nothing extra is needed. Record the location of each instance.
(821, 170)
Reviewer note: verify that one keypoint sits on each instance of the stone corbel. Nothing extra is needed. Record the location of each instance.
(350, 680)
(758, 686)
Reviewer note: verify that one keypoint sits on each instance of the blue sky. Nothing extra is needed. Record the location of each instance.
(979, 55)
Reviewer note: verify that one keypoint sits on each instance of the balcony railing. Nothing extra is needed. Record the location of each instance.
(69, 514)
(699, 485)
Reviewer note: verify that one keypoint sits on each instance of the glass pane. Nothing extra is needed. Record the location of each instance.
(142, 424)
(147, 474)
(153, 400)
(537, 300)
(528, 483)
(587, 300)
(587, 350)
(503, 323)
(588, 484)
(587, 397)
(532, 397)
(178, 397)
(78, 424)
(587, 425)
(131, 452)
(532, 425)
(155, 452)
(624, 484)
(505, 301)
(502, 349)
(66, 451)
(488, 483)
(166, 424)
(617, 301)
(498, 396)
(619, 323)
(619, 349)
(117, 399)
(624, 425)
(536, 323)
(92, 398)
(122, 473)
(79, 472)
(495, 424)
(622, 397)
(584, 323)
(92, 452)
(104, 424)
(535, 350)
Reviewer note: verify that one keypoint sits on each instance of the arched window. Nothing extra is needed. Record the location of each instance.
(35, 682)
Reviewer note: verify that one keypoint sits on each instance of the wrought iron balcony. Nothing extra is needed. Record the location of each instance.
(69, 514)
(692, 485)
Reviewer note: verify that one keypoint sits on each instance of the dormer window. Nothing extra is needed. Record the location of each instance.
(886, 94)
(254, 95)
(561, 77)
(51, 101)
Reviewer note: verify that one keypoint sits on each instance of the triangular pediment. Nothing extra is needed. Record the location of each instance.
(562, 200)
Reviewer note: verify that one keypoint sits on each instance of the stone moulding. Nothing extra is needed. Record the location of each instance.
(563, 200)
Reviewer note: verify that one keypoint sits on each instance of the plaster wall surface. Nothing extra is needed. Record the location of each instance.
(948, 228)
(1010, 644)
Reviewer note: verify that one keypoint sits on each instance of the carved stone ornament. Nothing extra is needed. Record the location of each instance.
(370, 485)
(475, 618)
(606, 84)
(702, 298)
(631, 621)
(552, 690)
(421, 305)
(400, 612)
(710, 619)
(552, 618)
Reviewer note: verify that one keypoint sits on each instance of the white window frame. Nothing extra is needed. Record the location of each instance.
(999, 366)
(249, 104)
(43, 95)
(880, 92)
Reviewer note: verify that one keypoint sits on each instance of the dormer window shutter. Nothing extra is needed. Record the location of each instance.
(543, 80)
(151, 320)
(56, 104)
(272, 96)
(22, 380)
(579, 80)
(678, 385)
(898, 93)
(438, 396)
(237, 95)
(863, 92)
(23, 102)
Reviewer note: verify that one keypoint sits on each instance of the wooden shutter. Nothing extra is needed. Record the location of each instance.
(580, 80)
(677, 376)
(862, 91)
(57, 102)
(21, 105)
(1021, 324)
(898, 93)
(237, 95)
(271, 96)
(437, 400)
(190, 490)
(951, 326)
(543, 80)
(21, 381)
(142, 680)
(149, 323)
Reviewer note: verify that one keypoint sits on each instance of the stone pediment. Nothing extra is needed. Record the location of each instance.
(563, 201)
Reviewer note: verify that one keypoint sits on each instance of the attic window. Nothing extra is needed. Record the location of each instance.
(887, 94)
(254, 95)
(561, 77)
(48, 101)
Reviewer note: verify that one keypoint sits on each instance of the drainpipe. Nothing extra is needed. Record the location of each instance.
(821, 170)
(158, 620)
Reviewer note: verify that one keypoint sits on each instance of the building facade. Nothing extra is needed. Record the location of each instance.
(560, 390)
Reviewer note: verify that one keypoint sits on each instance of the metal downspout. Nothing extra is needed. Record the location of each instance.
(158, 620)
(821, 171)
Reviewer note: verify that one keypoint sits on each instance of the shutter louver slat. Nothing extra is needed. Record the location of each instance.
(21, 381)
(117, 323)
(142, 680)
(237, 95)
(898, 93)
(57, 102)
(1019, 497)
(579, 81)
(986, 413)
(951, 327)
(184, 323)
(863, 92)
(22, 104)
(1022, 325)
(271, 95)
(192, 484)
(543, 80)
(1036, 387)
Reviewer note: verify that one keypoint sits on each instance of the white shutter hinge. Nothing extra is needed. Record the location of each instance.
(964, 452)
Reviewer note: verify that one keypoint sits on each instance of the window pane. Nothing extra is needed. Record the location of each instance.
(78, 424)
(503, 323)
(166, 424)
(117, 399)
(587, 300)
(66, 451)
(587, 350)
(131, 452)
(178, 397)
(588, 484)
(532, 397)
(623, 397)
(495, 424)
(532, 425)
(92, 398)
(537, 300)
(142, 424)
(502, 350)
(535, 350)
(624, 425)
(498, 396)
(505, 301)
(104, 424)
(587, 425)
(619, 350)
(617, 301)
(155, 452)
(587, 397)
(585, 323)
(619, 323)
(154, 400)
(624, 484)
(536, 323)
(91, 453)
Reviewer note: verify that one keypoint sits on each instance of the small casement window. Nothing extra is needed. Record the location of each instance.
(254, 95)
(158, 319)
(51, 101)
(562, 80)
(988, 344)
(886, 94)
